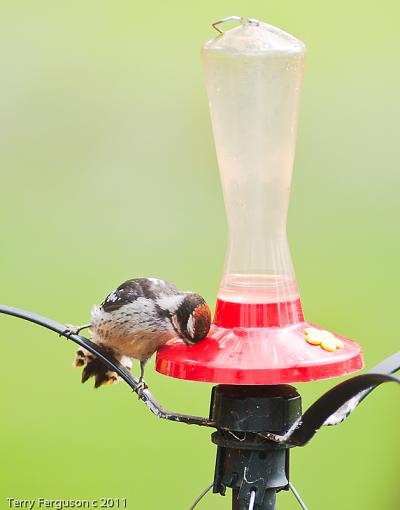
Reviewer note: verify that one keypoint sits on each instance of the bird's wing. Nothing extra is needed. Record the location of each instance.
(131, 290)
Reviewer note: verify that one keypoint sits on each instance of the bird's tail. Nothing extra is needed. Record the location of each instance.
(94, 367)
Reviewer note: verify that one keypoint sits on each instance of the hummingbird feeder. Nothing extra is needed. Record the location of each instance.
(259, 342)
(254, 75)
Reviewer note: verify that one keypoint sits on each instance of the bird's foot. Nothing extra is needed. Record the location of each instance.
(141, 387)
(70, 329)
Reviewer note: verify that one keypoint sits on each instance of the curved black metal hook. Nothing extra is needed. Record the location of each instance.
(388, 366)
(318, 413)
(146, 397)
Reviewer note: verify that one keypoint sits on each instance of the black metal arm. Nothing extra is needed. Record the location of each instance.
(337, 397)
(146, 396)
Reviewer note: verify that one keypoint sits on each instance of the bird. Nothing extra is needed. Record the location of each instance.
(135, 320)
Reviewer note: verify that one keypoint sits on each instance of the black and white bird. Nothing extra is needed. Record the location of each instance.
(135, 320)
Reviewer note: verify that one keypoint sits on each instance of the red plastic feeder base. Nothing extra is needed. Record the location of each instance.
(238, 350)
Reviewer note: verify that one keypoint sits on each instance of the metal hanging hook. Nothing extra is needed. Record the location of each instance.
(243, 21)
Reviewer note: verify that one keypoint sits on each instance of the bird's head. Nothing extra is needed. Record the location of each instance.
(192, 319)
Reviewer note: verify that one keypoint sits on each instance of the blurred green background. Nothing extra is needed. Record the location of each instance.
(108, 171)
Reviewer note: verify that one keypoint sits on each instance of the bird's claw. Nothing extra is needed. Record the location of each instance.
(68, 331)
(141, 387)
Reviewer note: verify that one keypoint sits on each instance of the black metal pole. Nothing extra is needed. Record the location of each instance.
(246, 462)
